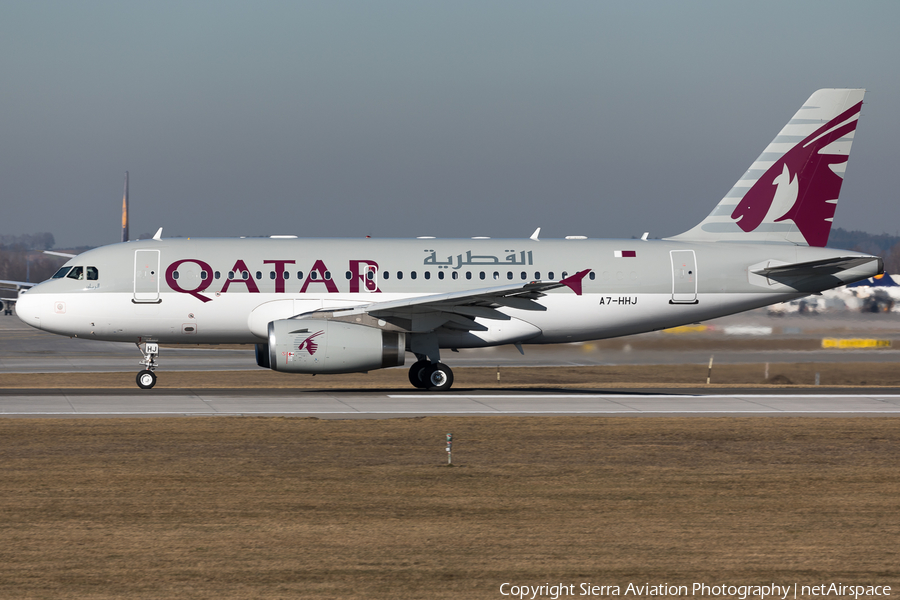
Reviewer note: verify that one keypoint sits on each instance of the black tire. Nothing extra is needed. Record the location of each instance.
(146, 379)
(417, 374)
(438, 378)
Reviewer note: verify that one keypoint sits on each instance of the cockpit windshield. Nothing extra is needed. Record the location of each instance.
(79, 273)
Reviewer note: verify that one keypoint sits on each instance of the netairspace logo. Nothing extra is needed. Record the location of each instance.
(741, 592)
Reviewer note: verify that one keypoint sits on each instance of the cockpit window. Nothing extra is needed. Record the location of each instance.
(93, 274)
(76, 273)
(61, 273)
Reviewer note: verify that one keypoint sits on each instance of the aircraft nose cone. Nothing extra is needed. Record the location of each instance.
(28, 310)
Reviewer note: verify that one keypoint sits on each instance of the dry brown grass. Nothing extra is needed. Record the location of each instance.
(290, 508)
(804, 374)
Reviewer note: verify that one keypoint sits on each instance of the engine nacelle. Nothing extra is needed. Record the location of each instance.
(320, 346)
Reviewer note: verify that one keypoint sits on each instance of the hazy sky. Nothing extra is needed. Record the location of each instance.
(400, 119)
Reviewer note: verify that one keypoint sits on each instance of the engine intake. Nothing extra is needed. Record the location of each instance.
(320, 346)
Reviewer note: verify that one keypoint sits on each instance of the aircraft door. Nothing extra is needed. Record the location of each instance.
(684, 277)
(146, 276)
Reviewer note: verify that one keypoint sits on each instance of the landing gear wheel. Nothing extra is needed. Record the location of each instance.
(438, 378)
(417, 374)
(146, 379)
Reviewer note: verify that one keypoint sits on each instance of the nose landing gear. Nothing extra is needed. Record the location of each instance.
(146, 379)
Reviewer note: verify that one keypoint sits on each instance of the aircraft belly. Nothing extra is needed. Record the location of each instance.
(498, 333)
(597, 316)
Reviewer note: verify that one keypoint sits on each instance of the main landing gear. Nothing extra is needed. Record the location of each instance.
(434, 377)
(146, 379)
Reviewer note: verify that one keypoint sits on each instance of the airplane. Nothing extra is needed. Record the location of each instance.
(354, 305)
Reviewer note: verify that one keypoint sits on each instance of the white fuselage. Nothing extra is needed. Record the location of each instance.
(227, 291)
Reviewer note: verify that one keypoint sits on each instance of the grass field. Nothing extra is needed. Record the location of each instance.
(305, 508)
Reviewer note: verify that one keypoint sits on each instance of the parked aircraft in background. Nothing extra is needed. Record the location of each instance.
(342, 306)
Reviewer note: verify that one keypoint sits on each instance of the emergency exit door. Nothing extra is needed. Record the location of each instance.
(684, 277)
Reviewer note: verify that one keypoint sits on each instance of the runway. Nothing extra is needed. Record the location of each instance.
(397, 404)
(25, 350)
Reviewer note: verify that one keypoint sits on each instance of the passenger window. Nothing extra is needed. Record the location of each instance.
(550, 275)
(565, 274)
(468, 274)
(399, 274)
(427, 274)
(217, 275)
(455, 275)
(271, 274)
(349, 275)
(440, 274)
(76, 273)
(299, 274)
(204, 275)
(509, 275)
(481, 275)
(245, 275)
(386, 275)
(592, 275)
(328, 275)
(524, 275)
(496, 275)
(259, 274)
(412, 275)
(537, 275)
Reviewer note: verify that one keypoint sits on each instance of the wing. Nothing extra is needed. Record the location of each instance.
(16, 284)
(12, 287)
(456, 310)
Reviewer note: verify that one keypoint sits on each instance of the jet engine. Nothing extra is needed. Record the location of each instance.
(321, 346)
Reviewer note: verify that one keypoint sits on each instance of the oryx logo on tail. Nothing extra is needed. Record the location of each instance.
(802, 185)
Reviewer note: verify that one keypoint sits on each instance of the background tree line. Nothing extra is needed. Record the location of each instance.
(22, 257)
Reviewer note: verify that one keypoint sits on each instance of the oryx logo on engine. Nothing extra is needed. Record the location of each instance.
(309, 345)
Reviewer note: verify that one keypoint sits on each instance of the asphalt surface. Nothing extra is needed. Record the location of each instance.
(369, 404)
(25, 350)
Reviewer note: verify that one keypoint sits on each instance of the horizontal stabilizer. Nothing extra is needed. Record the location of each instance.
(828, 266)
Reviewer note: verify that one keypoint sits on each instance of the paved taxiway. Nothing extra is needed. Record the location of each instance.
(394, 404)
(25, 350)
